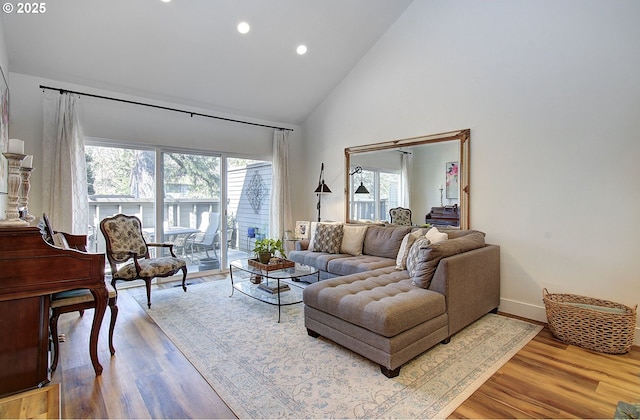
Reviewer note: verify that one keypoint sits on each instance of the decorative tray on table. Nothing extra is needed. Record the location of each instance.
(274, 264)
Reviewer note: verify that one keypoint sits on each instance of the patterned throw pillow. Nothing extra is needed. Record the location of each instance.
(414, 254)
(405, 247)
(328, 238)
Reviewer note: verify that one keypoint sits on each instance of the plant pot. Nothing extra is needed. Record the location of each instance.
(264, 257)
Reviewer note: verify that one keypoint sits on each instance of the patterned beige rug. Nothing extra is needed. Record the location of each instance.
(263, 369)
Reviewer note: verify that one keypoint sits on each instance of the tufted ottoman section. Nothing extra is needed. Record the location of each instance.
(382, 301)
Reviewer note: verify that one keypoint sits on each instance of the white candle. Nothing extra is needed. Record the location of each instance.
(16, 146)
(27, 162)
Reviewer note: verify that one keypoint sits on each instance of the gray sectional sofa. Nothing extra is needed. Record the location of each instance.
(375, 306)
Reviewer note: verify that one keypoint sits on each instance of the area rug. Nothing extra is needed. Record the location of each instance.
(265, 369)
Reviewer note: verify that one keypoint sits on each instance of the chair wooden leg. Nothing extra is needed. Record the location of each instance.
(147, 283)
(184, 278)
(112, 324)
(53, 326)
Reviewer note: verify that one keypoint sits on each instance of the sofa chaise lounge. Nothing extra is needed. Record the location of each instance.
(391, 315)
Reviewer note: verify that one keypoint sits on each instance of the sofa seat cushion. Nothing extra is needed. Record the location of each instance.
(359, 264)
(318, 260)
(382, 301)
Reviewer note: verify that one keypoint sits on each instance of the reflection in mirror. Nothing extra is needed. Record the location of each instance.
(428, 174)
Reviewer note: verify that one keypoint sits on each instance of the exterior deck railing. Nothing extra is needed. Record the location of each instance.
(178, 212)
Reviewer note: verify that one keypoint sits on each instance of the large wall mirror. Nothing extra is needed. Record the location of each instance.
(427, 174)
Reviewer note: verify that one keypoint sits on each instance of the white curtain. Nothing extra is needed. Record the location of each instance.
(280, 209)
(64, 172)
(405, 180)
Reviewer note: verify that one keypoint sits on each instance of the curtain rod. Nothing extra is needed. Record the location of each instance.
(165, 108)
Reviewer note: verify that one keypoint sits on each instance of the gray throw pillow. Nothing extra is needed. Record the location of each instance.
(429, 257)
(384, 241)
(328, 238)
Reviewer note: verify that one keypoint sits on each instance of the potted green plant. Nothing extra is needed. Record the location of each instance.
(267, 248)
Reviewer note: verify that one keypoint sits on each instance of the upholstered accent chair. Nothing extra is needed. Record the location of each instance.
(128, 254)
(400, 216)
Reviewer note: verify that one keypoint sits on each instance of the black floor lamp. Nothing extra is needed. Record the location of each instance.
(322, 188)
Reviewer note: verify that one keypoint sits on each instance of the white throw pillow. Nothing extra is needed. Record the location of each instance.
(405, 246)
(352, 239)
(312, 237)
(435, 236)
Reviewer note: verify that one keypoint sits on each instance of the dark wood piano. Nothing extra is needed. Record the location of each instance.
(30, 270)
(444, 216)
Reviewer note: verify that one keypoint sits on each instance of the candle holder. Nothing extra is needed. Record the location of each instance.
(24, 196)
(441, 204)
(13, 186)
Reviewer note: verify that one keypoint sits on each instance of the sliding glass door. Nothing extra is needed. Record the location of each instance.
(192, 211)
(212, 208)
(248, 200)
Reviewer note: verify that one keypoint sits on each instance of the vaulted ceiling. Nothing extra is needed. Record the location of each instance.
(189, 51)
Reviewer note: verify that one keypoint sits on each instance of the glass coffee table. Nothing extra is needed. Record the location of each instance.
(279, 287)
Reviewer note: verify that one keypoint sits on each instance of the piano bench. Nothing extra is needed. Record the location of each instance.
(78, 300)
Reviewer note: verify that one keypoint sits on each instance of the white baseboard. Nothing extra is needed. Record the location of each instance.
(538, 313)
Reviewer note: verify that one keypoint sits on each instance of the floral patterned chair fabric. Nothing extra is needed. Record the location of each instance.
(400, 216)
(128, 254)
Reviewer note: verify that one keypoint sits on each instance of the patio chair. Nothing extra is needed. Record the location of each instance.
(128, 254)
(208, 237)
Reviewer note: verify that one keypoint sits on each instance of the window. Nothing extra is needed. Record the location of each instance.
(383, 194)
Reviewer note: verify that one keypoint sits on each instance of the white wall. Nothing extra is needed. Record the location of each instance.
(133, 123)
(551, 93)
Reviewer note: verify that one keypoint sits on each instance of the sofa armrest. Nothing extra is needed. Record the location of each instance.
(302, 245)
(471, 284)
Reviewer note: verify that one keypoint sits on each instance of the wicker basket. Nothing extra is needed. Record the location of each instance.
(595, 324)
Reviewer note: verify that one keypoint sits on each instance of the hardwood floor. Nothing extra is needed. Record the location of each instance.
(150, 378)
(549, 379)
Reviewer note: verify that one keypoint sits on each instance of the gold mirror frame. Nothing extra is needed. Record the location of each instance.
(462, 136)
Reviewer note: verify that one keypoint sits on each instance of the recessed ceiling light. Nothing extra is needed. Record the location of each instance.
(243, 27)
(302, 49)
(166, 1)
